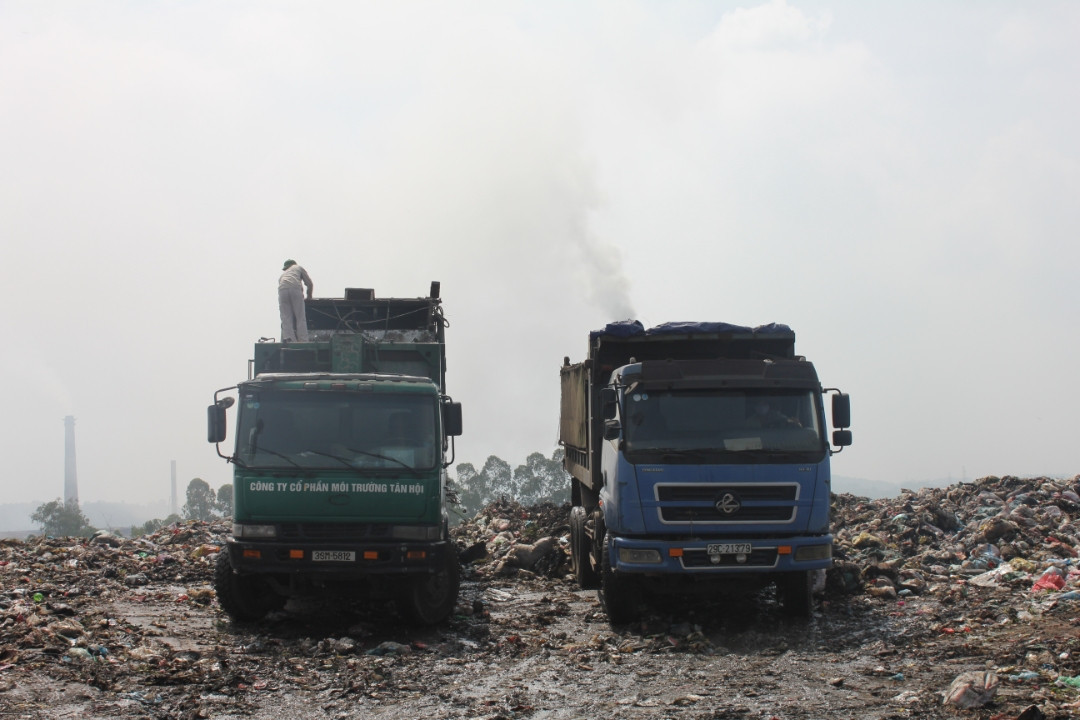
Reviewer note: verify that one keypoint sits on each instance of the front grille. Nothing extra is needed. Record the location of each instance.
(757, 502)
(327, 531)
(698, 492)
(700, 559)
(783, 513)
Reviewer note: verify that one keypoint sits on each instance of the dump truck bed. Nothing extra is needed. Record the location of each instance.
(364, 334)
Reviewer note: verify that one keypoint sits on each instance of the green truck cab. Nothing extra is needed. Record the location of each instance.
(340, 458)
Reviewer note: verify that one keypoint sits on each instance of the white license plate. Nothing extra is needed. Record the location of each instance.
(333, 555)
(728, 548)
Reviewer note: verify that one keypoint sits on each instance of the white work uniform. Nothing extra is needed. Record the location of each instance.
(291, 303)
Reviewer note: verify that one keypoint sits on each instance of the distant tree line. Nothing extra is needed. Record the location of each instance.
(62, 518)
(537, 480)
(202, 504)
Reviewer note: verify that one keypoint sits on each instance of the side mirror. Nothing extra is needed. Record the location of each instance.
(451, 417)
(612, 429)
(215, 418)
(608, 402)
(841, 411)
(215, 423)
(841, 438)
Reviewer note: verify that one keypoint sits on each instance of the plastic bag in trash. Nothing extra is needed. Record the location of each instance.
(972, 689)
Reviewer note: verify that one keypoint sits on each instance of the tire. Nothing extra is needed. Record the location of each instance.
(430, 599)
(619, 594)
(796, 591)
(580, 549)
(246, 598)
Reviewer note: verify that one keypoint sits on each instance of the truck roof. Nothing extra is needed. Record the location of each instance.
(730, 373)
(341, 377)
(378, 382)
(634, 328)
(620, 343)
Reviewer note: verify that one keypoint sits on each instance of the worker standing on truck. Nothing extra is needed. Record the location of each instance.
(291, 302)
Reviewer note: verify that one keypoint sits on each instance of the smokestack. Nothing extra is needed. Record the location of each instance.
(172, 496)
(71, 483)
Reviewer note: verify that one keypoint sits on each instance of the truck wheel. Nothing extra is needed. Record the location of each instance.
(245, 598)
(580, 546)
(618, 594)
(796, 591)
(429, 599)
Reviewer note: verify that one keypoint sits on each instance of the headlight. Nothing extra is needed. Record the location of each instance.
(631, 555)
(253, 531)
(813, 552)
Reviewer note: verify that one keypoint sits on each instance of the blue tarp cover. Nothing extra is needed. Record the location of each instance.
(631, 328)
(622, 328)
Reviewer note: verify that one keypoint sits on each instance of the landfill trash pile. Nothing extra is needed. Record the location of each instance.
(943, 603)
(996, 559)
(512, 537)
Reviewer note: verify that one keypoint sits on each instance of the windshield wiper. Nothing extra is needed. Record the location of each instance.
(770, 454)
(678, 452)
(685, 452)
(340, 459)
(384, 457)
(288, 459)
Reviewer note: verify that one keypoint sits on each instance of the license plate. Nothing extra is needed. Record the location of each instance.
(333, 555)
(728, 548)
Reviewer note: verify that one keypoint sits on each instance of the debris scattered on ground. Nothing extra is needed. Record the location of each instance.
(959, 601)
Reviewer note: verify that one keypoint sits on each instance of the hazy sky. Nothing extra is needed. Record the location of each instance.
(899, 182)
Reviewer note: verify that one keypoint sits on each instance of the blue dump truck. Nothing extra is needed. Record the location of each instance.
(699, 463)
(340, 458)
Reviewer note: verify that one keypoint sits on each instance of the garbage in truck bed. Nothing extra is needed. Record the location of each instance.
(386, 336)
(355, 313)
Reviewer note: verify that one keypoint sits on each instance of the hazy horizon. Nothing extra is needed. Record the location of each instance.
(897, 183)
(15, 517)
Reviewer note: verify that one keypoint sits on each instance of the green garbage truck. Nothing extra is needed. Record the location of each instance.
(340, 455)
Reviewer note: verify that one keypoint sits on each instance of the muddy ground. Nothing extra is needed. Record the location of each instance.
(132, 630)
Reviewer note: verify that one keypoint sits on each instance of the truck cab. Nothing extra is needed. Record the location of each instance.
(704, 465)
(340, 457)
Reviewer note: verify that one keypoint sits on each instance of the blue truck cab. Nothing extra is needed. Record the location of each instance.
(699, 458)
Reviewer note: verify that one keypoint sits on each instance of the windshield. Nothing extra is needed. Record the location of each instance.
(337, 429)
(722, 421)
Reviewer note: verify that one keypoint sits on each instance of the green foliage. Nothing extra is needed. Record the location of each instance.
(148, 527)
(152, 526)
(465, 488)
(542, 479)
(477, 489)
(200, 500)
(538, 480)
(224, 502)
(62, 519)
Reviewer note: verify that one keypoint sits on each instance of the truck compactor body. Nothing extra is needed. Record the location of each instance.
(340, 456)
